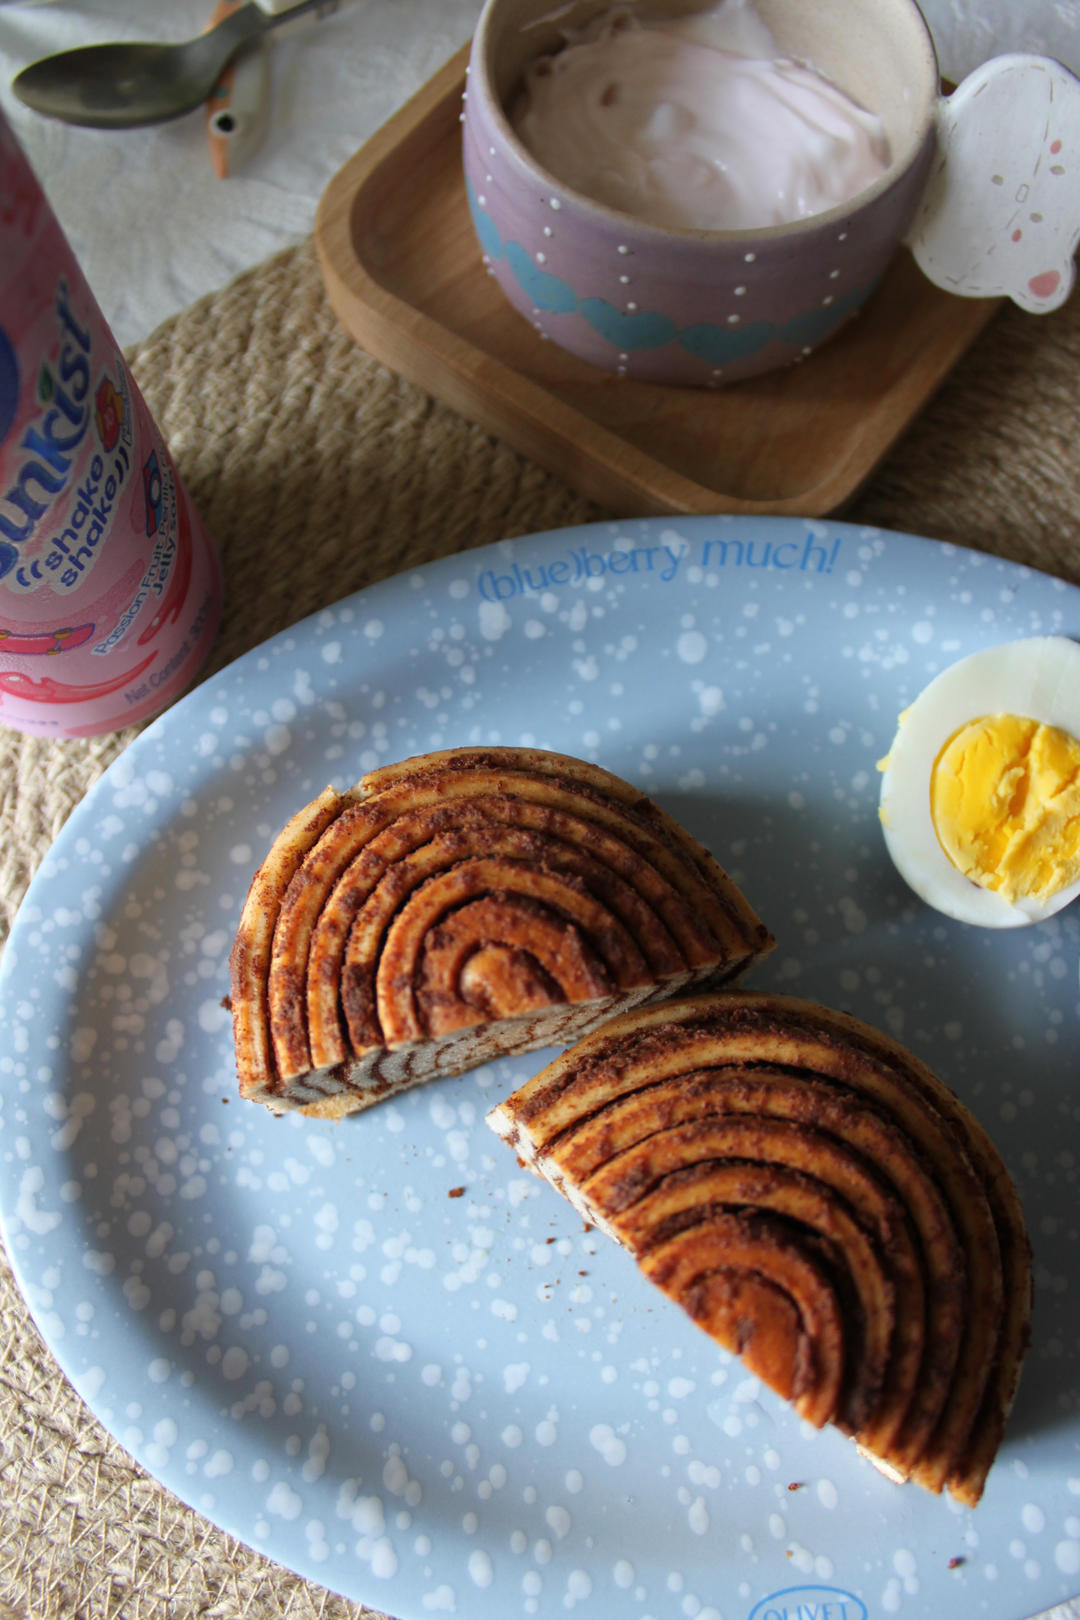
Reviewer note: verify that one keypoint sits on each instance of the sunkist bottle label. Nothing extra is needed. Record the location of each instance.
(110, 588)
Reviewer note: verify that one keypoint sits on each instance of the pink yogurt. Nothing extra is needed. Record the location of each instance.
(110, 588)
(696, 122)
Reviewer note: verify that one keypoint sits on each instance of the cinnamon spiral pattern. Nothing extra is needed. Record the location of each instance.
(461, 906)
(816, 1200)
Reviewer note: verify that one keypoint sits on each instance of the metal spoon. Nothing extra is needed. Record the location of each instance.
(124, 85)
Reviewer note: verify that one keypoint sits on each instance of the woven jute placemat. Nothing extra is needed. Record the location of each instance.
(319, 472)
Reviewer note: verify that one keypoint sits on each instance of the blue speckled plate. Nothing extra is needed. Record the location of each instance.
(467, 1404)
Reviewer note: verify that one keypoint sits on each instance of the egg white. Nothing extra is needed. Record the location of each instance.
(1038, 677)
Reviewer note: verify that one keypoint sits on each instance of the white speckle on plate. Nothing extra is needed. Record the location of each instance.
(578, 1588)
(558, 1519)
(83, 1041)
(691, 646)
(91, 1382)
(698, 1517)
(318, 1546)
(602, 1438)
(494, 620)
(481, 1572)
(27, 1210)
(514, 1376)
(212, 1017)
(441, 1600)
(384, 1563)
(1067, 1557)
(284, 1501)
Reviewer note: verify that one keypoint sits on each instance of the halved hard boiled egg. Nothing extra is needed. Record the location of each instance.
(980, 797)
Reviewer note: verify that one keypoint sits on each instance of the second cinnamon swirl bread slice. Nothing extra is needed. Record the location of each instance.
(461, 906)
(817, 1200)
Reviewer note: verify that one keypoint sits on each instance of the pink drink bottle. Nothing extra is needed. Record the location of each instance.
(110, 588)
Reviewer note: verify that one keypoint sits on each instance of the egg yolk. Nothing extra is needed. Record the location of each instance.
(1005, 802)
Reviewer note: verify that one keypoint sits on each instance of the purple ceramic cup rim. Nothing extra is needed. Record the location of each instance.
(480, 81)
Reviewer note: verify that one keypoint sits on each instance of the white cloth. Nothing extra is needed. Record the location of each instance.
(151, 224)
(154, 228)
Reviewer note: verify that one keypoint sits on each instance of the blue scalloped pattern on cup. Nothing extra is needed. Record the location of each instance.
(814, 324)
(546, 291)
(485, 228)
(637, 331)
(628, 329)
(723, 345)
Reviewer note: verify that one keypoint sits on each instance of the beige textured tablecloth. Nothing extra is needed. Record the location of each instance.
(294, 444)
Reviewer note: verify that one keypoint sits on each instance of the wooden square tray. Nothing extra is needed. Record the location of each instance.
(403, 272)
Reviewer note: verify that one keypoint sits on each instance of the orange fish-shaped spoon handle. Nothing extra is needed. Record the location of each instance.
(236, 109)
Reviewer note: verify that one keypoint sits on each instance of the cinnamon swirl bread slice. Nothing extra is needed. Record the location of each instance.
(817, 1200)
(462, 906)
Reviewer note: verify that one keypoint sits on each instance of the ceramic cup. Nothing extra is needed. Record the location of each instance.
(709, 307)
